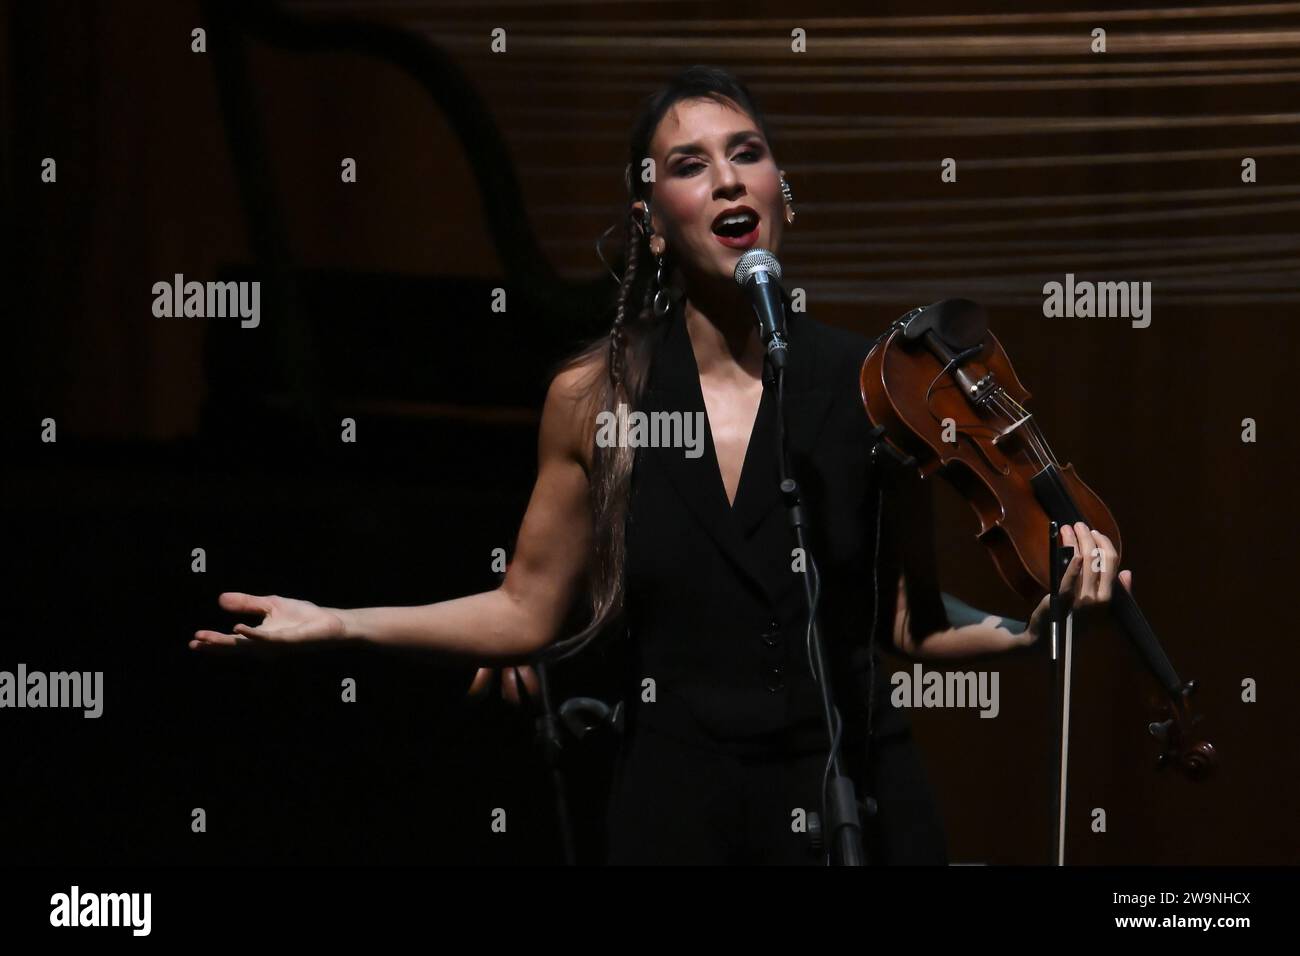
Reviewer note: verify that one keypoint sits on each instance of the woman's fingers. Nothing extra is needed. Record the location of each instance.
(531, 683)
(241, 603)
(509, 685)
(283, 620)
(1072, 571)
(205, 638)
(1126, 579)
(1090, 578)
(1109, 564)
(1086, 592)
(281, 631)
(482, 680)
(518, 682)
(515, 682)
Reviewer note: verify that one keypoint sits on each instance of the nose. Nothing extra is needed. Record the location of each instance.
(728, 180)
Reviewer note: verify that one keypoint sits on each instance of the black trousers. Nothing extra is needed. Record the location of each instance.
(678, 802)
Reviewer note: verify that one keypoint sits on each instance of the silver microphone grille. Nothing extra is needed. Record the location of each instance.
(756, 260)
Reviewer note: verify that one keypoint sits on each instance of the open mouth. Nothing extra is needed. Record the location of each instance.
(737, 227)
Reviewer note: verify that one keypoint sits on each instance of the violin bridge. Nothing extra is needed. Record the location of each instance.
(995, 397)
(1011, 428)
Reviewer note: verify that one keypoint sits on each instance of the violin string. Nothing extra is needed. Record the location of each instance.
(1012, 411)
(1034, 437)
(1033, 426)
(1034, 450)
(1003, 401)
(1051, 455)
(1009, 418)
(1040, 440)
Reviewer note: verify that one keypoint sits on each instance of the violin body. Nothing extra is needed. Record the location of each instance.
(979, 449)
(942, 397)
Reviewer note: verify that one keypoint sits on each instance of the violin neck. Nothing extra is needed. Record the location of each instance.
(1061, 508)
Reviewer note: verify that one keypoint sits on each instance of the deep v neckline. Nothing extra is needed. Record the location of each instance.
(747, 464)
(673, 387)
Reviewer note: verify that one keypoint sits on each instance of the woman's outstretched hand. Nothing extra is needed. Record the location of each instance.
(1084, 584)
(511, 680)
(283, 620)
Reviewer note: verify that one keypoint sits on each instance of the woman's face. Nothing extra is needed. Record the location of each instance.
(710, 159)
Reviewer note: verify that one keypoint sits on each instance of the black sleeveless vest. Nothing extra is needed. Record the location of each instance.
(715, 611)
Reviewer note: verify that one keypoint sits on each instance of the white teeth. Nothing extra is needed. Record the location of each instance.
(736, 225)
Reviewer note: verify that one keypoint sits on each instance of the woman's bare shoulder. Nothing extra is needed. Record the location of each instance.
(572, 402)
(579, 380)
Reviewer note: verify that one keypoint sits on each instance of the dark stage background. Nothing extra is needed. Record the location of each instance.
(478, 170)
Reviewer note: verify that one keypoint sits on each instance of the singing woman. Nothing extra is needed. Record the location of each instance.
(689, 558)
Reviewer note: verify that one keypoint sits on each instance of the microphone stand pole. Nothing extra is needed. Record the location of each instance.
(842, 826)
(550, 746)
(1060, 657)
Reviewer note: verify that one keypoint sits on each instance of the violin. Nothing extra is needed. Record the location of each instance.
(942, 397)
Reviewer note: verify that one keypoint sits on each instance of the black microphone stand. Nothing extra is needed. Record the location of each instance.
(581, 716)
(840, 803)
(1059, 657)
(550, 745)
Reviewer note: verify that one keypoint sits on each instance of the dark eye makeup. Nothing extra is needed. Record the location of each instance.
(688, 168)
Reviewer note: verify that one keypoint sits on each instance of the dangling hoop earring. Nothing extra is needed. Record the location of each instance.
(663, 302)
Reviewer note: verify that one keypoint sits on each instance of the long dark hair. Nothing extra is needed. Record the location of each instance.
(619, 362)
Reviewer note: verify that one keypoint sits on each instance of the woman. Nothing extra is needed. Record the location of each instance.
(725, 748)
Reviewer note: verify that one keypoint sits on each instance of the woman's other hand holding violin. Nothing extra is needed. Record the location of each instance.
(1087, 583)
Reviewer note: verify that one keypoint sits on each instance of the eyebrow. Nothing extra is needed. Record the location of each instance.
(732, 140)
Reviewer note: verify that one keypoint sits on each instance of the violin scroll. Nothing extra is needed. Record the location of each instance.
(1173, 728)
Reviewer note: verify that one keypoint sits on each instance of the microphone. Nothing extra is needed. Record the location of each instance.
(759, 273)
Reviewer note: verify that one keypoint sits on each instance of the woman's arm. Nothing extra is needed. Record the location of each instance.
(987, 636)
(1084, 584)
(507, 624)
(524, 613)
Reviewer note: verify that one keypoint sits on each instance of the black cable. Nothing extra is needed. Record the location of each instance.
(835, 732)
(875, 620)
